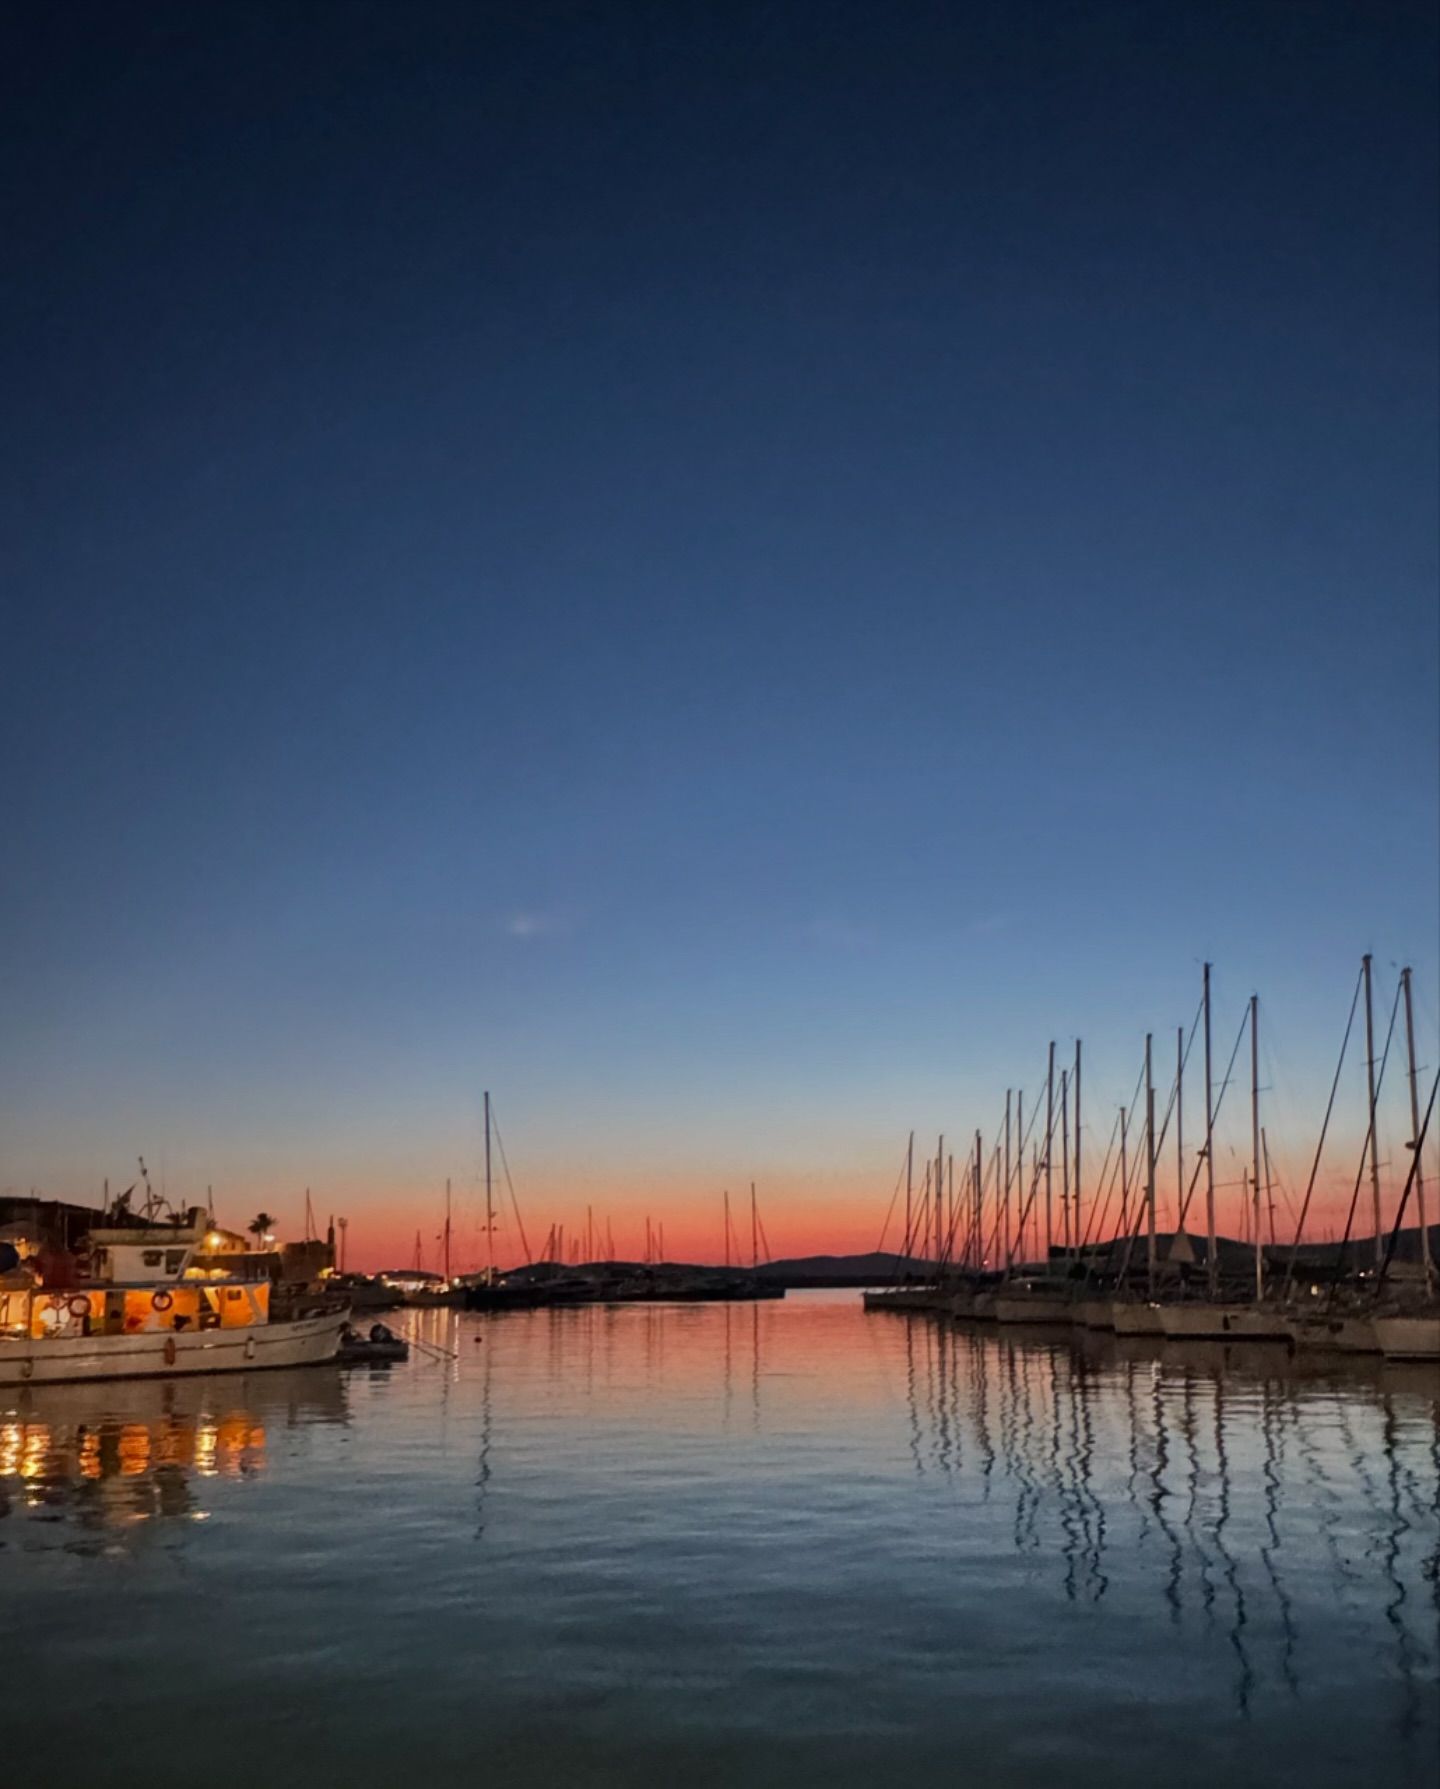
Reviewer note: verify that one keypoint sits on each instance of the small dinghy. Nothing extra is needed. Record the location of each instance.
(380, 1347)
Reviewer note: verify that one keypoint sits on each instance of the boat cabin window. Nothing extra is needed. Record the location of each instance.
(153, 1257)
(174, 1260)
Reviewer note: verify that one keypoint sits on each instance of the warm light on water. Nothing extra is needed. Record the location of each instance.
(737, 1545)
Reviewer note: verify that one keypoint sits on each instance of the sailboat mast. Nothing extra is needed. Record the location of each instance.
(1374, 1128)
(727, 1226)
(1425, 1261)
(979, 1233)
(1255, 1139)
(1049, 1156)
(754, 1230)
(1065, 1158)
(447, 1228)
(1018, 1242)
(1078, 1231)
(1149, 1170)
(1179, 1124)
(909, 1198)
(489, 1201)
(939, 1202)
(1005, 1198)
(1125, 1174)
(1212, 1266)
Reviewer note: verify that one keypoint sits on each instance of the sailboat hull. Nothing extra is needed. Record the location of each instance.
(1335, 1335)
(1135, 1319)
(1409, 1338)
(1206, 1322)
(1033, 1307)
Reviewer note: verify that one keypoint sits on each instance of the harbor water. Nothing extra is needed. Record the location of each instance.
(771, 1544)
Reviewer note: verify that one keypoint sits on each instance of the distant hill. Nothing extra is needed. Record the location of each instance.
(844, 1270)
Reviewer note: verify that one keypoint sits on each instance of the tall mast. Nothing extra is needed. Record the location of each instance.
(1125, 1175)
(754, 1230)
(447, 1227)
(1049, 1156)
(1005, 1198)
(939, 1203)
(1425, 1261)
(727, 1226)
(1374, 1129)
(1065, 1158)
(1179, 1124)
(1019, 1241)
(979, 1179)
(1255, 1138)
(1078, 1232)
(1149, 1171)
(489, 1201)
(1212, 1266)
(909, 1199)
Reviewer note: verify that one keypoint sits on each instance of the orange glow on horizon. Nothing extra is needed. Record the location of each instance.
(842, 1215)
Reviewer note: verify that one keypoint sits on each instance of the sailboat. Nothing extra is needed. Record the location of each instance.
(1211, 1319)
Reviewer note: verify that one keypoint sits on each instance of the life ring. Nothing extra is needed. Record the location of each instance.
(169, 1351)
(161, 1301)
(80, 1307)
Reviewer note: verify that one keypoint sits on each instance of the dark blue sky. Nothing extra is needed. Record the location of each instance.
(727, 571)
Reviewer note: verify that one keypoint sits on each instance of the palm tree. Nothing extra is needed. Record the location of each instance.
(261, 1225)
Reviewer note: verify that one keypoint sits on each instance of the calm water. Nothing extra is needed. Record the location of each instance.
(734, 1545)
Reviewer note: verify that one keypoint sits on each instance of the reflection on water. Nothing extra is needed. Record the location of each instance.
(754, 1544)
(84, 1466)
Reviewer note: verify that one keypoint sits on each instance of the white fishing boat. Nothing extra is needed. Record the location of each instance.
(152, 1310)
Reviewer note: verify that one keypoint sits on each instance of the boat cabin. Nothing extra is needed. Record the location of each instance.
(130, 1310)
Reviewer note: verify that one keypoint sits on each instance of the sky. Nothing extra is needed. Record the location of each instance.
(726, 573)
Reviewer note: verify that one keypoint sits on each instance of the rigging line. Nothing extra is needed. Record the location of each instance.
(1100, 1193)
(1409, 1182)
(889, 1212)
(1151, 1154)
(1215, 1113)
(1344, 1255)
(1175, 1083)
(1104, 1216)
(1320, 1146)
(504, 1163)
(1039, 1165)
